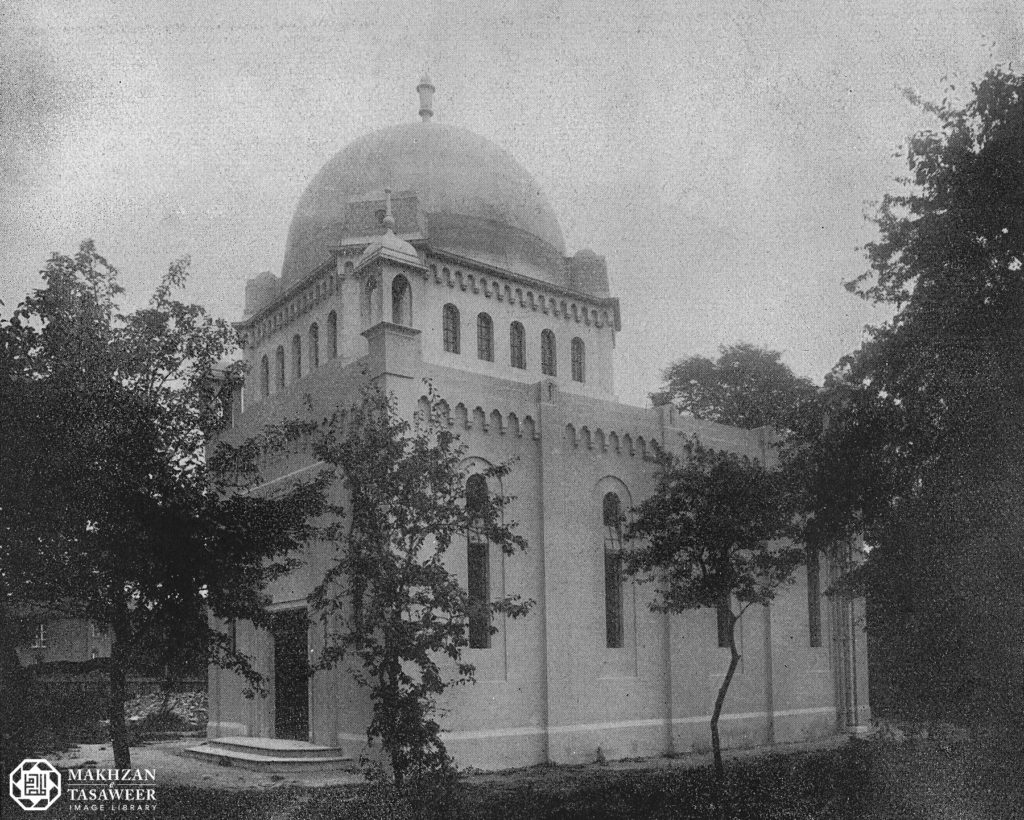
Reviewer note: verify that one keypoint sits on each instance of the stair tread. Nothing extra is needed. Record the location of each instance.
(235, 754)
(268, 744)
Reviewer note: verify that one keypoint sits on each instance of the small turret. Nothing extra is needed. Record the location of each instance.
(588, 273)
(260, 291)
(426, 92)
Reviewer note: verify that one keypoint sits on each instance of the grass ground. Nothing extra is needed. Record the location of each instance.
(978, 780)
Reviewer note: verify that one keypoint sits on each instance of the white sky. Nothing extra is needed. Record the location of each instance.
(722, 156)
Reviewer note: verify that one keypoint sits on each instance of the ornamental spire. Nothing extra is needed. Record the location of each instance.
(389, 219)
(426, 92)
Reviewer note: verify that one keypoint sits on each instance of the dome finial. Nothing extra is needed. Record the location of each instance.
(389, 219)
(426, 92)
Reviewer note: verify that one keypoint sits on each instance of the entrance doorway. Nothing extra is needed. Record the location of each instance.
(291, 675)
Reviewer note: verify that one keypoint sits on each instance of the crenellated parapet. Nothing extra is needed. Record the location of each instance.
(502, 423)
(528, 294)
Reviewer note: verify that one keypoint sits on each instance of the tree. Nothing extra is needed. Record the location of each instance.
(927, 417)
(105, 419)
(392, 607)
(709, 537)
(746, 386)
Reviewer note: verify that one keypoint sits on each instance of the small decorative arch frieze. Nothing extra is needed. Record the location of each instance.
(445, 411)
(423, 410)
(480, 419)
(530, 428)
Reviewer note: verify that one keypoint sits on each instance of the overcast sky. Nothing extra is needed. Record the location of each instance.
(721, 155)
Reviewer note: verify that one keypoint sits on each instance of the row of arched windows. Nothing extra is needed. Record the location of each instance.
(478, 575)
(451, 331)
(478, 567)
(298, 367)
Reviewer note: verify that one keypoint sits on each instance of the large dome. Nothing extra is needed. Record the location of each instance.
(476, 199)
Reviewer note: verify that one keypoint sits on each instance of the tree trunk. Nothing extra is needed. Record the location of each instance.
(393, 741)
(13, 692)
(119, 690)
(716, 743)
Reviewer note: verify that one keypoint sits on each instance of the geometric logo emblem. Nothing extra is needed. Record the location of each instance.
(35, 785)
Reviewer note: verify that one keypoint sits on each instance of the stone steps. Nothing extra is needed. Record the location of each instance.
(267, 754)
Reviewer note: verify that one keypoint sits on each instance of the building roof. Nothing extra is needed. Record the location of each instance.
(477, 201)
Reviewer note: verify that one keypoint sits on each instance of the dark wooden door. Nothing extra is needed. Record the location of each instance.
(291, 675)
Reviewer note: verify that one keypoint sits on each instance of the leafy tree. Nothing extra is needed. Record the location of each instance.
(112, 510)
(746, 386)
(709, 537)
(392, 607)
(927, 417)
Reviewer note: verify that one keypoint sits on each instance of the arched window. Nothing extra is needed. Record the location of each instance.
(314, 346)
(332, 334)
(612, 519)
(296, 357)
(579, 361)
(401, 301)
(517, 344)
(478, 561)
(450, 322)
(265, 377)
(279, 368)
(484, 338)
(547, 353)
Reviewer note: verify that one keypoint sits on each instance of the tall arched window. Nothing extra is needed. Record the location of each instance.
(401, 301)
(517, 344)
(450, 329)
(279, 367)
(265, 377)
(332, 334)
(296, 357)
(547, 353)
(478, 562)
(579, 361)
(484, 338)
(314, 346)
(612, 518)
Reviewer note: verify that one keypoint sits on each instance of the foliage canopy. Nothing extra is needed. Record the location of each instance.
(105, 418)
(746, 386)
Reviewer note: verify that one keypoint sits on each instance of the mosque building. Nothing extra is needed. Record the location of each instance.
(424, 250)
